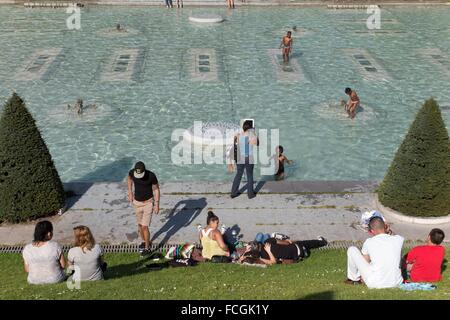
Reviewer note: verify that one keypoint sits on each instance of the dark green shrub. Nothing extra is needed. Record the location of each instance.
(418, 181)
(30, 186)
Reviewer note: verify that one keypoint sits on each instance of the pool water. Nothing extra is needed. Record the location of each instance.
(166, 72)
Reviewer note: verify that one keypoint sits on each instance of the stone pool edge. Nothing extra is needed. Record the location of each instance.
(263, 187)
(391, 213)
(238, 4)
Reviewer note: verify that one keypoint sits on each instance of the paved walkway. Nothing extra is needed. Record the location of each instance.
(300, 209)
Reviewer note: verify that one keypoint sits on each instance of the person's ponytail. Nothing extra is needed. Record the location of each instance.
(211, 217)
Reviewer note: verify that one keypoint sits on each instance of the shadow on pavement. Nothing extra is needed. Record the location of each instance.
(257, 188)
(180, 216)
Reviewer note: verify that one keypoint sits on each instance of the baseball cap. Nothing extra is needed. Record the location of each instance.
(139, 170)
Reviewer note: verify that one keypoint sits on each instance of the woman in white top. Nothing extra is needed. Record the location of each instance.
(43, 259)
(85, 258)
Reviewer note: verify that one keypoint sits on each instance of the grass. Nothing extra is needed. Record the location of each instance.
(319, 277)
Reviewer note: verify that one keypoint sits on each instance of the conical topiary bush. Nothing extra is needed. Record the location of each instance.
(30, 186)
(418, 181)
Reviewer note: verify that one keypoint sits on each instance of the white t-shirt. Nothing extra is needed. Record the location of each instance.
(43, 263)
(88, 263)
(384, 251)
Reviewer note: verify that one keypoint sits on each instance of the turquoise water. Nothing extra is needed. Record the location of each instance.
(136, 115)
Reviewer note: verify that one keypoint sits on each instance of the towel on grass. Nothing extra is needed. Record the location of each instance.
(414, 286)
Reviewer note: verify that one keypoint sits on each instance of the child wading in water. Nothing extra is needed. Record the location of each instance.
(281, 159)
(286, 46)
(352, 104)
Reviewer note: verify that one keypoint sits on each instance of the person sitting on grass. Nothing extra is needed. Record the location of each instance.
(424, 263)
(274, 251)
(211, 239)
(43, 259)
(378, 263)
(85, 258)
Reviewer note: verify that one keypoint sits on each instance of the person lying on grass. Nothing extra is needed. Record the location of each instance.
(424, 263)
(378, 263)
(280, 251)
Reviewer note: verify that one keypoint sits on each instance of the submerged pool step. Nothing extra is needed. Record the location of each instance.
(367, 64)
(290, 72)
(202, 64)
(437, 57)
(38, 66)
(125, 64)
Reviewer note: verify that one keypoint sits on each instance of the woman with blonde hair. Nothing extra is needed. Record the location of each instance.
(85, 258)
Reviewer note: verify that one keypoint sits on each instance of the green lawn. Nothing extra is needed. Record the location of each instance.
(320, 276)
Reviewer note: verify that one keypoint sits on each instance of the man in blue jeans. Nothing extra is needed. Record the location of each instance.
(245, 142)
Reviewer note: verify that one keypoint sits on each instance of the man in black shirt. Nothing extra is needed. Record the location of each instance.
(145, 199)
(282, 251)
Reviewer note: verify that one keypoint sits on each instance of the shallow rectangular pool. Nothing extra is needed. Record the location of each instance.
(164, 72)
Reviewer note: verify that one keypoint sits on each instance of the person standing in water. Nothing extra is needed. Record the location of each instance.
(245, 141)
(353, 102)
(286, 46)
(279, 175)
